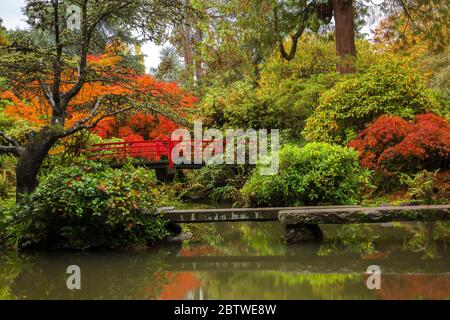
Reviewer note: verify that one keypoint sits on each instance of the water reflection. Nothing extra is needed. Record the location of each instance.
(247, 261)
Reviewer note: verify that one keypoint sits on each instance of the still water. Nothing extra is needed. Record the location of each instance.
(247, 261)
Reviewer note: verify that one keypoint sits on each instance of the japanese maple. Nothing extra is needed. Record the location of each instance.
(391, 143)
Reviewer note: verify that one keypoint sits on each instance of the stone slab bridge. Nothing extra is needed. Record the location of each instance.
(302, 223)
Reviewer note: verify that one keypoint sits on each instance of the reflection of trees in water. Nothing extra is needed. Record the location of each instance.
(199, 251)
(399, 249)
(371, 241)
(252, 238)
(179, 285)
(425, 237)
(10, 267)
(284, 285)
(103, 276)
(379, 241)
(423, 286)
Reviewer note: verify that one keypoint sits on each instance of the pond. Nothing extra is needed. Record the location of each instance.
(247, 260)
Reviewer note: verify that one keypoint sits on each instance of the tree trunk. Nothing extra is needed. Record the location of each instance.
(187, 48)
(256, 60)
(187, 43)
(344, 15)
(31, 159)
(199, 71)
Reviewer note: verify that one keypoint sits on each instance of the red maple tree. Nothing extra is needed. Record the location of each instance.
(391, 143)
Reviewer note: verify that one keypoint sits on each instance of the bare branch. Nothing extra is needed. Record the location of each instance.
(295, 37)
(87, 32)
(9, 139)
(81, 124)
(47, 93)
(91, 115)
(406, 10)
(10, 150)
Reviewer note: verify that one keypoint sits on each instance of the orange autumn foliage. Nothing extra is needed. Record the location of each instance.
(31, 105)
(35, 110)
(399, 34)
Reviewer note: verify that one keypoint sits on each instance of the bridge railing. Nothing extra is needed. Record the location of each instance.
(150, 150)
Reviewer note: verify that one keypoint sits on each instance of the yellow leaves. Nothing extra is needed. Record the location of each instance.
(56, 150)
(105, 61)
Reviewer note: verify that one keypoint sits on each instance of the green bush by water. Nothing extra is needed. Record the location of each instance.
(89, 206)
(318, 173)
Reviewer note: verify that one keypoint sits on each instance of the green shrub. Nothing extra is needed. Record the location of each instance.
(285, 105)
(4, 188)
(235, 105)
(388, 88)
(288, 92)
(290, 102)
(219, 182)
(423, 187)
(89, 206)
(436, 67)
(6, 209)
(15, 128)
(286, 95)
(317, 173)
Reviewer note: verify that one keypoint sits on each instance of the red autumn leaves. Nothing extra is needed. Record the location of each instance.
(137, 127)
(391, 143)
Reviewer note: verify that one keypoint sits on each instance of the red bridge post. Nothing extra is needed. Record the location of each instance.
(170, 147)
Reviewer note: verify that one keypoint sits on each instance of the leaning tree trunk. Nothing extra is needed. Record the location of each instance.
(31, 159)
(344, 17)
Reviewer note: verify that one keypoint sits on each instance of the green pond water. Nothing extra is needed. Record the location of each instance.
(247, 261)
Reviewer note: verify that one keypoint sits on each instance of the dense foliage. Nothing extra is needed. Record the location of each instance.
(219, 182)
(89, 206)
(317, 173)
(395, 144)
(286, 94)
(388, 88)
(427, 187)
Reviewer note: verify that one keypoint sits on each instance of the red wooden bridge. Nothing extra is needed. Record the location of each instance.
(155, 154)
